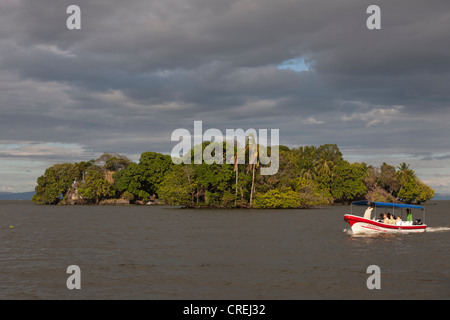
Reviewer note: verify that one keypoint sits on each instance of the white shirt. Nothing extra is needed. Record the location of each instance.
(368, 213)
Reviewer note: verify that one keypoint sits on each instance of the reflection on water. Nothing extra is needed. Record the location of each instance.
(165, 253)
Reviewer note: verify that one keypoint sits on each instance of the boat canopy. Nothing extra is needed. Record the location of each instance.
(386, 204)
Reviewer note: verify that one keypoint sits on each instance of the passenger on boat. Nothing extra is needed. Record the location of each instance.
(409, 215)
(382, 216)
(398, 221)
(368, 212)
(392, 219)
(386, 218)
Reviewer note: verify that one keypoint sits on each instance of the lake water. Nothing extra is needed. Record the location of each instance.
(153, 252)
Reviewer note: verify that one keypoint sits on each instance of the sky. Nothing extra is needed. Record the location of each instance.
(137, 70)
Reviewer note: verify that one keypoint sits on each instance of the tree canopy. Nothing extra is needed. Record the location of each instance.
(307, 176)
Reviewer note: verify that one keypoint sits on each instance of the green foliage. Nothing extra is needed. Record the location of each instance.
(327, 155)
(131, 180)
(154, 165)
(279, 199)
(303, 193)
(405, 174)
(95, 187)
(116, 164)
(348, 182)
(178, 186)
(415, 191)
(212, 181)
(388, 184)
(228, 198)
(307, 176)
(143, 179)
(388, 179)
(113, 161)
(379, 194)
(127, 196)
(311, 192)
(53, 185)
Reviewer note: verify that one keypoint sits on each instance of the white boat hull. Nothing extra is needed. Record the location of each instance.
(361, 225)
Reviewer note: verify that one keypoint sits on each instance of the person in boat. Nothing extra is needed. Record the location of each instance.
(368, 212)
(386, 218)
(392, 219)
(398, 221)
(382, 216)
(409, 215)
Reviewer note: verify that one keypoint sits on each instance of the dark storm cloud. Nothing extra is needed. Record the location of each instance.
(440, 157)
(137, 70)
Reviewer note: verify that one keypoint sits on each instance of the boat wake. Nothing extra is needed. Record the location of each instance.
(437, 229)
(369, 234)
(429, 229)
(348, 231)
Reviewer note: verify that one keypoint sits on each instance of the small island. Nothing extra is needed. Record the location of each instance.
(308, 176)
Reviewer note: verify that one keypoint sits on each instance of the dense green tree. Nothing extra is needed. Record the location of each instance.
(178, 186)
(405, 174)
(348, 182)
(117, 164)
(113, 161)
(212, 181)
(53, 185)
(388, 178)
(215, 182)
(144, 178)
(415, 191)
(132, 180)
(311, 192)
(327, 155)
(372, 179)
(303, 193)
(95, 188)
(155, 166)
(279, 199)
(308, 172)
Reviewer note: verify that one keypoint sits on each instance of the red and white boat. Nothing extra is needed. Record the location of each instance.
(370, 224)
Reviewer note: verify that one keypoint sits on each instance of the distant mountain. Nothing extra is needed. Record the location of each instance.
(16, 196)
(438, 196)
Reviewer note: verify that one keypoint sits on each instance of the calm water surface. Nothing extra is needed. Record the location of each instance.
(132, 252)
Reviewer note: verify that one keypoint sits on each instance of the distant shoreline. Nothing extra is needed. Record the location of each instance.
(17, 196)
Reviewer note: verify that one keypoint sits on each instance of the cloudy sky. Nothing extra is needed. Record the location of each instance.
(139, 69)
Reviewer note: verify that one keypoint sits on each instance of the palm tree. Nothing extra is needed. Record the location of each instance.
(405, 174)
(308, 173)
(253, 165)
(234, 156)
(324, 167)
(252, 150)
(253, 160)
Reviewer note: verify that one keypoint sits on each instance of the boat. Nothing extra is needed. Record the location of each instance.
(369, 223)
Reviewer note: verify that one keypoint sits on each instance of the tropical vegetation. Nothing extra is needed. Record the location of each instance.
(308, 176)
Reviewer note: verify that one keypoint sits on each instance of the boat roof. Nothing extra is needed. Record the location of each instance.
(386, 204)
